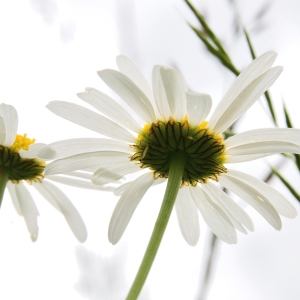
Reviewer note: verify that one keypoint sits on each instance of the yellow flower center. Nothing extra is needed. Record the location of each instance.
(18, 168)
(21, 142)
(202, 149)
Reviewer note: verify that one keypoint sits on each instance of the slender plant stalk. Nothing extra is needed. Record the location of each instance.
(202, 291)
(3, 181)
(177, 163)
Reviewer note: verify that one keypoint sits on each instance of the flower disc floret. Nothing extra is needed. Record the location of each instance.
(199, 146)
(19, 168)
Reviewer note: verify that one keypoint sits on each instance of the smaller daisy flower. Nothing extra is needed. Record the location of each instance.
(19, 163)
(165, 126)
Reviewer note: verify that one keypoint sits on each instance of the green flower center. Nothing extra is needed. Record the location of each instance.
(19, 168)
(202, 149)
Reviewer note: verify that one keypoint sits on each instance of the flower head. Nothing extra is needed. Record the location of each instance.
(166, 119)
(20, 163)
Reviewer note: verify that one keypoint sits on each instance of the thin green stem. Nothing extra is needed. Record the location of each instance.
(177, 163)
(3, 181)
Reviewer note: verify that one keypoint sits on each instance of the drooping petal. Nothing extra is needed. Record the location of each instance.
(289, 135)
(127, 205)
(175, 89)
(10, 118)
(130, 93)
(85, 161)
(28, 210)
(245, 99)
(72, 147)
(110, 108)
(259, 66)
(187, 215)
(258, 148)
(253, 197)
(60, 201)
(281, 204)
(160, 94)
(214, 216)
(14, 198)
(90, 120)
(222, 199)
(80, 183)
(33, 150)
(127, 67)
(198, 107)
(116, 172)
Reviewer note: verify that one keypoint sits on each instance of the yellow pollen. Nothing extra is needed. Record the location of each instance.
(22, 142)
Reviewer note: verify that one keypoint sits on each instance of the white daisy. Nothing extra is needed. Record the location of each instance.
(174, 122)
(19, 162)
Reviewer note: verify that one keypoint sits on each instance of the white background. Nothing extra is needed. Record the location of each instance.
(51, 50)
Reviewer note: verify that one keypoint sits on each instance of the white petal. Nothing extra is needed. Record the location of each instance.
(281, 204)
(198, 107)
(289, 135)
(14, 198)
(2, 131)
(130, 93)
(160, 95)
(33, 150)
(222, 199)
(127, 67)
(90, 120)
(253, 198)
(28, 210)
(85, 161)
(116, 172)
(122, 188)
(255, 69)
(187, 215)
(243, 158)
(175, 88)
(79, 183)
(54, 195)
(263, 148)
(72, 147)
(246, 99)
(10, 117)
(214, 216)
(110, 108)
(127, 205)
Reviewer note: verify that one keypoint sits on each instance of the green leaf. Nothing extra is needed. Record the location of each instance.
(286, 183)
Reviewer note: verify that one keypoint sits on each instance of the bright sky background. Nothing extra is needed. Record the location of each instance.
(51, 50)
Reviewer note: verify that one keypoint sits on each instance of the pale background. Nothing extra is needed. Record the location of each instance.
(50, 50)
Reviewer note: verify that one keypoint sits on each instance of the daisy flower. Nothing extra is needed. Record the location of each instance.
(20, 163)
(163, 126)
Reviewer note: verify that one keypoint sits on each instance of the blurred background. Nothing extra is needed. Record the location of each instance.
(51, 50)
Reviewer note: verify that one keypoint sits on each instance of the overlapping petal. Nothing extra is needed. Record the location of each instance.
(130, 93)
(253, 197)
(110, 108)
(214, 216)
(90, 120)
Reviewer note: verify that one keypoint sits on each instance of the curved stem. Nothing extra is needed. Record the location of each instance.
(177, 163)
(3, 181)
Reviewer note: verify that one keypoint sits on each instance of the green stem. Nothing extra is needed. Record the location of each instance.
(177, 164)
(3, 181)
